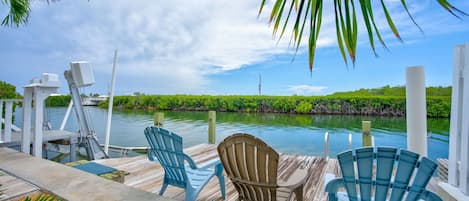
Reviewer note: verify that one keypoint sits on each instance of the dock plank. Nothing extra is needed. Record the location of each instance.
(14, 188)
(147, 175)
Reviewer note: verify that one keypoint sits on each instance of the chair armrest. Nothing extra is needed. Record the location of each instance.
(190, 161)
(334, 185)
(151, 155)
(298, 178)
(328, 177)
(209, 163)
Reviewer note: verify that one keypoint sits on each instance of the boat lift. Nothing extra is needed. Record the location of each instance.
(81, 75)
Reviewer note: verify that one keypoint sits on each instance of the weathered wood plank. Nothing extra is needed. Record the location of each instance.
(147, 175)
(443, 169)
(14, 188)
(66, 182)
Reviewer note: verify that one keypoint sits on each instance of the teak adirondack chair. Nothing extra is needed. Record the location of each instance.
(252, 167)
(167, 148)
(395, 169)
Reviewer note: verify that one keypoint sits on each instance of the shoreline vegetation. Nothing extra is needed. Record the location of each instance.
(384, 101)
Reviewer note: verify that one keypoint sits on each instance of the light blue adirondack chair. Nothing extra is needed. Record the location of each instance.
(167, 148)
(386, 185)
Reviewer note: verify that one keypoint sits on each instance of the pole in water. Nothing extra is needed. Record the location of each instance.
(110, 104)
(260, 85)
(212, 119)
(366, 134)
(158, 119)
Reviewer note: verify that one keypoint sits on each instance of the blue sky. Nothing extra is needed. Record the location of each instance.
(218, 48)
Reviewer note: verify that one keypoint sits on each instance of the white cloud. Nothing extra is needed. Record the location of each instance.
(173, 41)
(171, 46)
(306, 89)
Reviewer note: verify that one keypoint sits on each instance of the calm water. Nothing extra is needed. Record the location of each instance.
(299, 134)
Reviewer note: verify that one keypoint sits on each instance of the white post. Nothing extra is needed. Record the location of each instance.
(464, 169)
(456, 117)
(67, 114)
(109, 110)
(8, 119)
(38, 121)
(1, 110)
(416, 110)
(1, 120)
(26, 138)
(458, 170)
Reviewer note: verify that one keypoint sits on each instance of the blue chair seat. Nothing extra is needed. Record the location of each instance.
(198, 178)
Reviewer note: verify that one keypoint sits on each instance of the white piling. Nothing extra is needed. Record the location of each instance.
(458, 166)
(109, 110)
(416, 110)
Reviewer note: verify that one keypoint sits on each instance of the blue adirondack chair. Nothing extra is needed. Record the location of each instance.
(394, 171)
(167, 148)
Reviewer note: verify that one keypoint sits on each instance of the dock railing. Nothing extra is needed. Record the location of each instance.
(326, 145)
(8, 120)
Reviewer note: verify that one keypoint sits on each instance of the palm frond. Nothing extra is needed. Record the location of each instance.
(18, 13)
(452, 9)
(345, 23)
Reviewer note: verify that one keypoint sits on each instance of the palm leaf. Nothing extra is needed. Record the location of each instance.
(18, 13)
(315, 24)
(450, 8)
(366, 19)
(308, 6)
(340, 42)
(275, 10)
(261, 7)
(286, 21)
(404, 4)
(345, 23)
(390, 22)
(277, 21)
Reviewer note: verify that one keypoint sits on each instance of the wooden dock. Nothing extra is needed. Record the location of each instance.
(37, 174)
(13, 188)
(147, 175)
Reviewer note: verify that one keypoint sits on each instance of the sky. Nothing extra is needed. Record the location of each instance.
(220, 48)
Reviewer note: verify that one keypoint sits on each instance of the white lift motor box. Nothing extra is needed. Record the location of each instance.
(50, 80)
(82, 73)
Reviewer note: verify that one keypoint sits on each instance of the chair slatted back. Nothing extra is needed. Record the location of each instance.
(383, 184)
(167, 147)
(251, 165)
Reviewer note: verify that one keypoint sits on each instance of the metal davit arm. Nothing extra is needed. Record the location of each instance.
(87, 137)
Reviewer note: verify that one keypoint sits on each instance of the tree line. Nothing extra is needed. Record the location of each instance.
(384, 101)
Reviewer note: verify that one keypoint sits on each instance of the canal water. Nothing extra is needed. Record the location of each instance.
(287, 133)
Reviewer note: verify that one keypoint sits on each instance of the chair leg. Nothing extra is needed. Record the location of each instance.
(221, 179)
(191, 194)
(332, 197)
(163, 188)
(299, 193)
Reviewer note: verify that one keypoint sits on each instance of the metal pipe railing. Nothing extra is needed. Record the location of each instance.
(350, 141)
(326, 145)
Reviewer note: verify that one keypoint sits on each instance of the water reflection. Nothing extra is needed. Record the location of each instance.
(288, 133)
